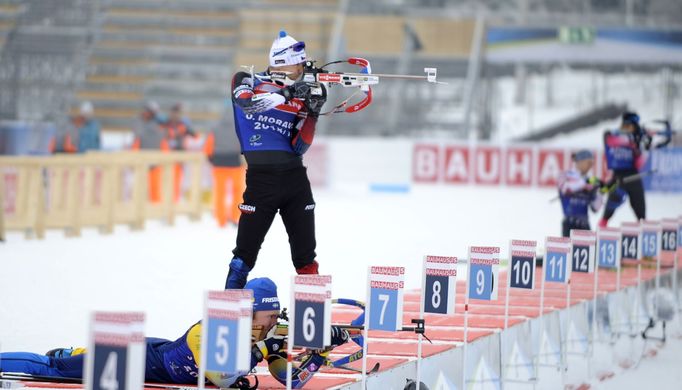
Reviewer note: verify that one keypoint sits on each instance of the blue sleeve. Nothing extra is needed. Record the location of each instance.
(35, 364)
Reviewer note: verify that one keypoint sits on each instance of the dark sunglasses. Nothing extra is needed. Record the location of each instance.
(297, 47)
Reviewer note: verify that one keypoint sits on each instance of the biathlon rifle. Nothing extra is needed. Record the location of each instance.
(361, 81)
(666, 134)
(355, 331)
(607, 189)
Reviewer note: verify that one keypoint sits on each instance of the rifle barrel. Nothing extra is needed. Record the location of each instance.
(389, 76)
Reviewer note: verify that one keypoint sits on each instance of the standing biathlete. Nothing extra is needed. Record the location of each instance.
(275, 115)
(624, 157)
(579, 193)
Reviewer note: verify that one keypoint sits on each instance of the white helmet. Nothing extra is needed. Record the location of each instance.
(86, 109)
(286, 50)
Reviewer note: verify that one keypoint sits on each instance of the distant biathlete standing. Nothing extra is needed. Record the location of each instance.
(275, 115)
(624, 156)
(579, 193)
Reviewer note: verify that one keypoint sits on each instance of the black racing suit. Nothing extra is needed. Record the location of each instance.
(625, 158)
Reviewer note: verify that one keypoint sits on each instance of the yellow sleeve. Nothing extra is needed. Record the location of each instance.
(194, 341)
(219, 379)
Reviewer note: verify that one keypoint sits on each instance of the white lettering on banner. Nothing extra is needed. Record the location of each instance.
(11, 189)
(457, 164)
(667, 164)
(551, 163)
(519, 166)
(516, 165)
(488, 165)
(426, 163)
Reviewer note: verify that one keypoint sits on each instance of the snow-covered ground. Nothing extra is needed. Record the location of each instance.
(48, 287)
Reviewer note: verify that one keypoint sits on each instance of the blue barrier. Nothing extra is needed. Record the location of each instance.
(22, 138)
(668, 166)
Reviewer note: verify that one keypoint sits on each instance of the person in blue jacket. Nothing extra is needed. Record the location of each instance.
(177, 362)
(275, 114)
(579, 193)
(85, 133)
(625, 156)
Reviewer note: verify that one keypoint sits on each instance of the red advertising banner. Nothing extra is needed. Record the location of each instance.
(513, 165)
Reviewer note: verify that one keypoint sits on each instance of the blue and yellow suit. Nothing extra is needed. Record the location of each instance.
(166, 362)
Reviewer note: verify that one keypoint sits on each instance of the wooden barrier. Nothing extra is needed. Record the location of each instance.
(22, 194)
(96, 189)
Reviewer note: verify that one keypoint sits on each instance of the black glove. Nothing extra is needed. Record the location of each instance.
(646, 140)
(593, 184)
(339, 336)
(316, 100)
(298, 90)
(611, 185)
(271, 345)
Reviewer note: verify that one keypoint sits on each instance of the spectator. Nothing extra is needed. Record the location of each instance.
(84, 134)
(150, 136)
(229, 174)
(177, 128)
(148, 133)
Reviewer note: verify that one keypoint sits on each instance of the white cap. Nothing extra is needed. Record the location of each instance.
(286, 50)
(87, 109)
(152, 106)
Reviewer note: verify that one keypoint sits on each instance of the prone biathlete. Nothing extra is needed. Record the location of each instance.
(177, 362)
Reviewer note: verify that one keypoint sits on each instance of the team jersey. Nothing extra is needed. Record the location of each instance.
(181, 360)
(265, 122)
(622, 151)
(577, 195)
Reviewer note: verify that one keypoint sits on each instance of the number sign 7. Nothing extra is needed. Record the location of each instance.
(384, 309)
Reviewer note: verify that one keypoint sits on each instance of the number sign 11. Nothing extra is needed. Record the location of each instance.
(557, 257)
